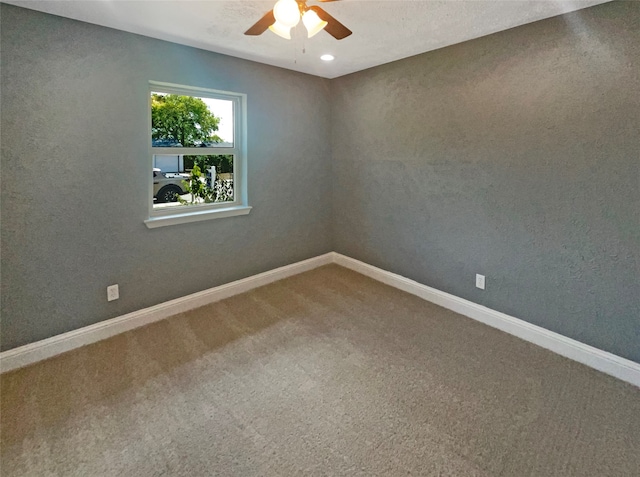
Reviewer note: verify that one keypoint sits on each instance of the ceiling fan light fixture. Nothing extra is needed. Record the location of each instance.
(312, 22)
(281, 30)
(287, 13)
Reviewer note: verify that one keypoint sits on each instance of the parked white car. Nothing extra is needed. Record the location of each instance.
(168, 185)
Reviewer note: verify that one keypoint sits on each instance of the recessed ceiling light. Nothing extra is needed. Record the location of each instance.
(327, 57)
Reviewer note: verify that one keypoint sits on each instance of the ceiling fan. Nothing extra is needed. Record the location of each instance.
(287, 13)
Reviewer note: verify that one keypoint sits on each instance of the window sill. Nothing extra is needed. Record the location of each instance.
(196, 216)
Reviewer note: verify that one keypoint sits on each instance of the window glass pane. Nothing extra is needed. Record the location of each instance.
(186, 180)
(190, 121)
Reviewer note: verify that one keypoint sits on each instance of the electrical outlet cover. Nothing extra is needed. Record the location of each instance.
(112, 293)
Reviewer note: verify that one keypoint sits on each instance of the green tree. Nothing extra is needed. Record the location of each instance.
(222, 162)
(196, 186)
(218, 191)
(183, 119)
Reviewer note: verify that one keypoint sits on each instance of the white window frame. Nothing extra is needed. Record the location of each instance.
(194, 213)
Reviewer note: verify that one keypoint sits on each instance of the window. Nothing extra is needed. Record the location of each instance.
(197, 162)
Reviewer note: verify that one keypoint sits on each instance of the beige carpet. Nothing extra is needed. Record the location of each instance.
(325, 373)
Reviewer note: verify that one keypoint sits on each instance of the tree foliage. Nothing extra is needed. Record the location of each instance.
(201, 191)
(183, 119)
(222, 162)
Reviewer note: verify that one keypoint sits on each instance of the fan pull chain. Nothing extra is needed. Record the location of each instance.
(295, 49)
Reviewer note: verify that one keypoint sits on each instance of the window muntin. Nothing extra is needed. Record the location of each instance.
(190, 129)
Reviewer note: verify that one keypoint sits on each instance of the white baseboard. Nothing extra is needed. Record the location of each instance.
(608, 363)
(33, 352)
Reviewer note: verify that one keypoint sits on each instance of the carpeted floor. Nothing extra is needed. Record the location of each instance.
(325, 373)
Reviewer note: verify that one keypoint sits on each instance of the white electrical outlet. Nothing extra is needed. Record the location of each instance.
(480, 281)
(112, 293)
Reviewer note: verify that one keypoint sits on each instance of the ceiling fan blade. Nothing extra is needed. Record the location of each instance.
(261, 25)
(334, 27)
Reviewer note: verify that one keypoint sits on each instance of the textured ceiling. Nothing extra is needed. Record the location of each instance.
(383, 31)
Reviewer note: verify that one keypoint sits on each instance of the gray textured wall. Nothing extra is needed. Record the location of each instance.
(515, 156)
(75, 168)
